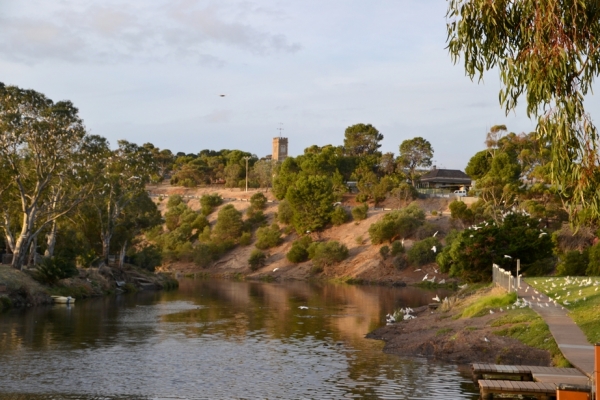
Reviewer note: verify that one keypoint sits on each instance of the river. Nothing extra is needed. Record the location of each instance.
(217, 339)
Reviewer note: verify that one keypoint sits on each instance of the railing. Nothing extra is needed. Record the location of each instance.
(504, 279)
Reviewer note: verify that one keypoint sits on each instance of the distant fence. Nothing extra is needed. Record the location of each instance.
(504, 279)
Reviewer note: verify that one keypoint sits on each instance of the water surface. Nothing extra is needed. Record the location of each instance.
(220, 339)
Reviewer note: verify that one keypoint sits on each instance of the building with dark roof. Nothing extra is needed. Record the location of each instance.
(446, 179)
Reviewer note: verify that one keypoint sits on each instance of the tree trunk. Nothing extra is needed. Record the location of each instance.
(32, 252)
(51, 240)
(122, 257)
(105, 246)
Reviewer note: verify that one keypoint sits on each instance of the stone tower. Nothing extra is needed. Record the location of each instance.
(280, 148)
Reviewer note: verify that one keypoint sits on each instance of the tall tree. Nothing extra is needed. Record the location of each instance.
(415, 154)
(546, 51)
(126, 171)
(38, 141)
(361, 139)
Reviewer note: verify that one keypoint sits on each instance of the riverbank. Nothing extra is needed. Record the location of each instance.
(19, 288)
(463, 331)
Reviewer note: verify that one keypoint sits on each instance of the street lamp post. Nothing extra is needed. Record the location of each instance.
(247, 158)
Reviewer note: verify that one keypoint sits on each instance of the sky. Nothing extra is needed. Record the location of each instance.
(154, 71)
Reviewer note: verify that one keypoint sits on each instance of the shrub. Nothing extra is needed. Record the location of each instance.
(421, 252)
(297, 254)
(362, 197)
(359, 213)
(229, 224)
(209, 202)
(426, 230)
(174, 201)
(574, 263)
(257, 259)
(147, 258)
(268, 237)
(246, 239)
(52, 269)
(339, 216)
(384, 251)
(593, 268)
(255, 217)
(397, 248)
(400, 262)
(327, 253)
(284, 212)
(258, 201)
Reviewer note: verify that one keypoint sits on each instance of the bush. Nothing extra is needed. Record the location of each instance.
(147, 258)
(255, 217)
(52, 269)
(339, 216)
(209, 202)
(229, 224)
(574, 263)
(257, 259)
(362, 197)
(246, 239)
(384, 251)
(426, 230)
(258, 201)
(174, 201)
(284, 212)
(400, 262)
(297, 254)
(421, 252)
(359, 213)
(397, 248)
(327, 253)
(268, 237)
(593, 268)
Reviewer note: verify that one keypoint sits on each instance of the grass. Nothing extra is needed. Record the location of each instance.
(443, 331)
(583, 300)
(529, 328)
(484, 304)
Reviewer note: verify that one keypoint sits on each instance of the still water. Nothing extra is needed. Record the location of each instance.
(220, 339)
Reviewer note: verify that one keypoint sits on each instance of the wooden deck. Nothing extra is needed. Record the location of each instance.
(529, 380)
(539, 390)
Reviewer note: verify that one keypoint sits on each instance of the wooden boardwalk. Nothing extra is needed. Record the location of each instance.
(529, 373)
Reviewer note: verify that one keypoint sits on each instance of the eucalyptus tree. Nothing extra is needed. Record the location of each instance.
(40, 144)
(125, 173)
(547, 52)
(361, 140)
(415, 154)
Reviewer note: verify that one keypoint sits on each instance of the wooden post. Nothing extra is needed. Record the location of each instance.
(596, 370)
(518, 276)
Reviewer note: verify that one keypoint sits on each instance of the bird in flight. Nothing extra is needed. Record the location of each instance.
(222, 95)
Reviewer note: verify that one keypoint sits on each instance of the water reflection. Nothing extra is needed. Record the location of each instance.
(219, 339)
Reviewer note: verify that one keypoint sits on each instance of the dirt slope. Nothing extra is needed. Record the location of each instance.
(364, 262)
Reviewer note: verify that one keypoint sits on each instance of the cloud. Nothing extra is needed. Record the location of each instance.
(185, 30)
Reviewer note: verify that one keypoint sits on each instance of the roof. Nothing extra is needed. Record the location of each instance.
(446, 175)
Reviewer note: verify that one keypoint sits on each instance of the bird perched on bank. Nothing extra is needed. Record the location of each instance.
(507, 256)
(434, 249)
(485, 339)
(425, 277)
(436, 232)
(275, 269)
(491, 311)
(436, 298)
(390, 319)
(303, 308)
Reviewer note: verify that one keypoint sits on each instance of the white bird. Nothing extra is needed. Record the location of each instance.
(435, 270)
(442, 282)
(542, 234)
(436, 298)
(434, 249)
(417, 270)
(507, 256)
(463, 286)
(485, 339)
(275, 269)
(425, 277)
(491, 311)
(436, 232)
(390, 319)
(303, 308)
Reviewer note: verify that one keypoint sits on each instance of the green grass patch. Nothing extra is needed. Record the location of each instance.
(471, 328)
(443, 331)
(582, 296)
(484, 304)
(529, 328)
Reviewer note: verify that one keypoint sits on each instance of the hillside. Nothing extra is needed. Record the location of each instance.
(364, 262)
